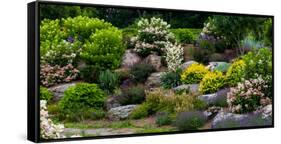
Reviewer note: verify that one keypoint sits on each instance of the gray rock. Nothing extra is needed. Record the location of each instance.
(121, 112)
(265, 111)
(129, 59)
(112, 102)
(216, 99)
(154, 80)
(185, 65)
(212, 111)
(231, 120)
(153, 60)
(214, 65)
(191, 88)
(58, 90)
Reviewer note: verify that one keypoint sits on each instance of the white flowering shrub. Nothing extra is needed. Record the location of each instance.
(248, 96)
(153, 34)
(48, 129)
(174, 56)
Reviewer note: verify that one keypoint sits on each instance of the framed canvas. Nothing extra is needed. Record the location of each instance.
(106, 71)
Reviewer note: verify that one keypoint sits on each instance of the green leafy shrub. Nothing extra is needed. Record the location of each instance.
(128, 34)
(104, 49)
(201, 55)
(140, 111)
(170, 79)
(217, 57)
(183, 35)
(133, 95)
(212, 82)
(207, 45)
(90, 73)
(190, 120)
(163, 118)
(258, 63)
(45, 94)
(80, 97)
(248, 96)
(108, 81)
(193, 74)
(236, 72)
(140, 72)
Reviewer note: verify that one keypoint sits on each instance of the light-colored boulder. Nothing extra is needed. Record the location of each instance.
(154, 80)
(153, 60)
(130, 58)
(185, 65)
(58, 90)
(121, 112)
(191, 88)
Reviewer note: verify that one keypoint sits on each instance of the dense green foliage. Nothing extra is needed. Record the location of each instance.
(170, 79)
(183, 35)
(140, 111)
(108, 81)
(134, 95)
(80, 97)
(236, 72)
(140, 72)
(90, 73)
(163, 118)
(45, 94)
(104, 49)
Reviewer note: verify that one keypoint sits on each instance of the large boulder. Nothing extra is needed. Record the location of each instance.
(231, 120)
(153, 60)
(58, 90)
(185, 65)
(191, 88)
(121, 112)
(154, 80)
(130, 58)
(215, 99)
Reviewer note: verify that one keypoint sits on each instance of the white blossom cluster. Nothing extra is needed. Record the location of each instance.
(49, 130)
(153, 34)
(174, 56)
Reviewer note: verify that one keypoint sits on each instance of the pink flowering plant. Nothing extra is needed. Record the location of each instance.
(51, 75)
(248, 96)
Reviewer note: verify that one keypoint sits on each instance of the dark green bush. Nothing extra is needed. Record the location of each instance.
(80, 97)
(183, 35)
(217, 57)
(141, 72)
(170, 79)
(45, 94)
(108, 81)
(133, 95)
(128, 33)
(163, 118)
(190, 120)
(104, 49)
(90, 73)
(201, 55)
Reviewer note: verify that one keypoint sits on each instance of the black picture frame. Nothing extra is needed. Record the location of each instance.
(33, 58)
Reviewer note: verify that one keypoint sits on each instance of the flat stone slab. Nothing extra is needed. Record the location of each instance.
(98, 132)
(191, 88)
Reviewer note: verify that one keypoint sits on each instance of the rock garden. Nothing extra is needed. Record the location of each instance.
(98, 78)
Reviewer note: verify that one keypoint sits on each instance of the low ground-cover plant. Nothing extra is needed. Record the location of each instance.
(163, 118)
(140, 72)
(212, 82)
(194, 74)
(80, 97)
(108, 81)
(51, 75)
(190, 120)
(90, 73)
(140, 111)
(170, 79)
(248, 96)
(133, 95)
(45, 94)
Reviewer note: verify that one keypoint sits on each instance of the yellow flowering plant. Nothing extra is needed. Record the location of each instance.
(194, 74)
(212, 82)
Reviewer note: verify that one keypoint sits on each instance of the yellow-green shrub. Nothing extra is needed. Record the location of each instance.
(163, 100)
(193, 74)
(212, 82)
(236, 72)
